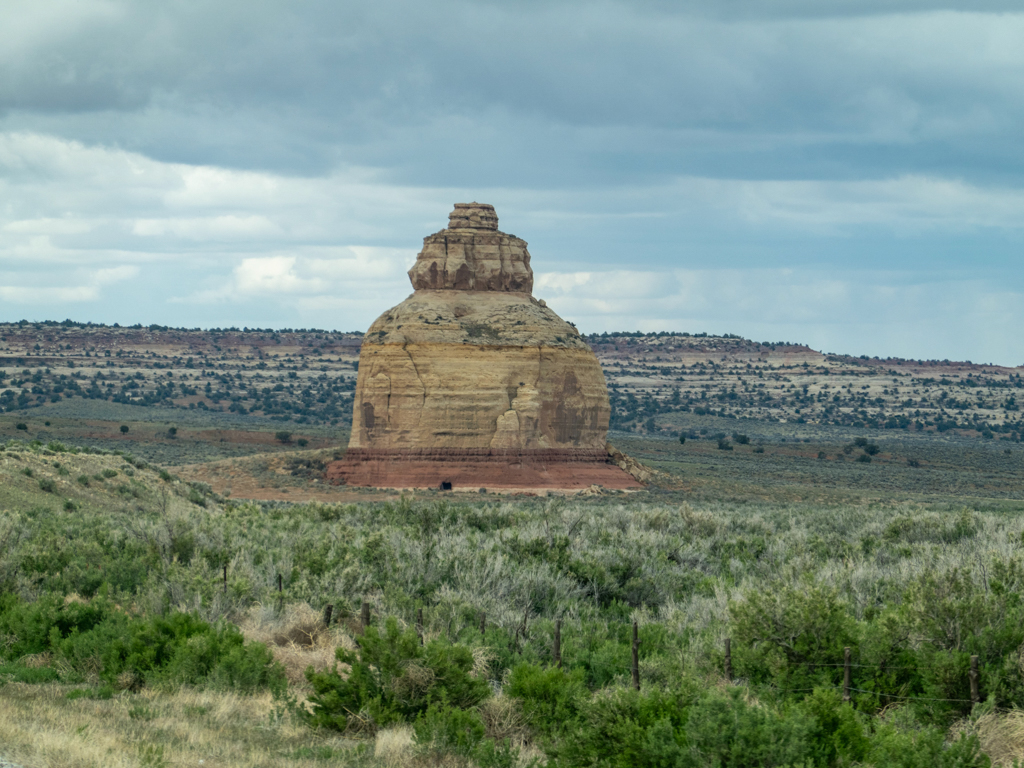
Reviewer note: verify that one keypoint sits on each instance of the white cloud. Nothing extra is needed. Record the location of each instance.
(314, 274)
(32, 289)
(215, 228)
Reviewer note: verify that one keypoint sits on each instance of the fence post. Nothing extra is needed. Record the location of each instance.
(636, 657)
(483, 623)
(279, 583)
(419, 624)
(728, 659)
(846, 674)
(558, 643)
(975, 697)
(225, 579)
(365, 617)
(328, 612)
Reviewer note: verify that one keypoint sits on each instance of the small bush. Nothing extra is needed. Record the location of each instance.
(109, 473)
(21, 426)
(392, 679)
(448, 730)
(302, 442)
(165, 475)
(726, 731)
(282, 436)
(549, 697)
(28, 472)
(724, 444)
(864, 458)
(47, 485)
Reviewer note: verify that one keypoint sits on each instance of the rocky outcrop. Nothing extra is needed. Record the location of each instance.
(472, 255)
(472, 381)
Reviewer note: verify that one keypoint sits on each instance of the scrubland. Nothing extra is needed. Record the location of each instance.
(145, 620)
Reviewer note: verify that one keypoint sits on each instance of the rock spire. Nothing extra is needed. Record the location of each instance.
(473, 382)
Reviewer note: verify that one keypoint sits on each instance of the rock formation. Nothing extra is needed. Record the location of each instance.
(474, 383)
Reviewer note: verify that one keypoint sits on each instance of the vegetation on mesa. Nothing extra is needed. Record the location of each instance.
(307, 377)
(151, 576)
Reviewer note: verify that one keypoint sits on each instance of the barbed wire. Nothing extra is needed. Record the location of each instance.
(909, 698)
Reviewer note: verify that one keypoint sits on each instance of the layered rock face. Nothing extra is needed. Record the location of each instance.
(473, 382)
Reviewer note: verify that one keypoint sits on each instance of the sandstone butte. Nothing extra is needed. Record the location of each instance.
(473, 383)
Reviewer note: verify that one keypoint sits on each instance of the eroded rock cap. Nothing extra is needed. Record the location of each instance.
(472, 254)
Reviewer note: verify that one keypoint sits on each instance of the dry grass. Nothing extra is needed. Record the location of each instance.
(1001, 735)
(503, 719)
(297, 638)
(394, 747)
(41, 728)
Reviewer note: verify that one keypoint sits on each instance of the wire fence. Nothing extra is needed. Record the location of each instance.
(633, 668)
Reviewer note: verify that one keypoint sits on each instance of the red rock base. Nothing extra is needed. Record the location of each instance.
(464, 469)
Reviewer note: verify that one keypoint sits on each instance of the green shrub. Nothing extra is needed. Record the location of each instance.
(393, 679)
(724, 730)
(173, 650)
(444, 730)
(498, 755)
(549, 696)
(838, 734)
(28, 472)
(109, 473)
(47, 485)
(625, 728)
(785, 631)
(923, 747)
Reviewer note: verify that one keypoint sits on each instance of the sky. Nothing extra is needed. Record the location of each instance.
(848, 175)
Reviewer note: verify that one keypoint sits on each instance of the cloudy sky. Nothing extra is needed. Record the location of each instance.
(843, 174)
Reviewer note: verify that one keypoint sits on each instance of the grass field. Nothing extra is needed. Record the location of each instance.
(878, 549)
(204, 532)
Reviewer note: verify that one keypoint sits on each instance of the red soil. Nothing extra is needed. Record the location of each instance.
(493, 470)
